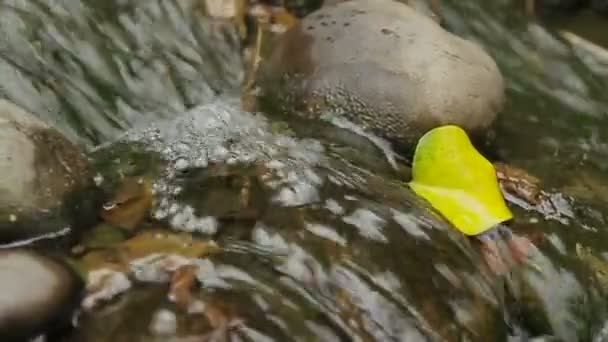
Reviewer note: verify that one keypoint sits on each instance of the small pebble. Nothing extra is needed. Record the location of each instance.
(164, 323)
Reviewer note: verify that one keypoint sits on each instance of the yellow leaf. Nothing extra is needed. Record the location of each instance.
(458, 181)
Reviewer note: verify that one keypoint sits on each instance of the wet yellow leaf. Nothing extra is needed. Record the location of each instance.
(130, 205)
(458, 181)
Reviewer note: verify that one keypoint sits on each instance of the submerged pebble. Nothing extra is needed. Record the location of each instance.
(37, 294)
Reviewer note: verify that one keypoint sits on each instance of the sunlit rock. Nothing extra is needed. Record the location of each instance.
(316, 224)
(384, 66)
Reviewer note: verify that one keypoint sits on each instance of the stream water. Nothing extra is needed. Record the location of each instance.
(362, 259)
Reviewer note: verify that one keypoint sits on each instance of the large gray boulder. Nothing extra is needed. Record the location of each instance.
(386, 67)
(37, 295)
(40, 169)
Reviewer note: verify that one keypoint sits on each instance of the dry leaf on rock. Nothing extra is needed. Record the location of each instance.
(130, 205)
(103, 236)
(282, 20)
(152, 242)
(519, 183)
(164, 242)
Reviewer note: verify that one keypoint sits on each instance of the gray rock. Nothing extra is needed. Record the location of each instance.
(39, 168)
(37, 294)
(386, 67)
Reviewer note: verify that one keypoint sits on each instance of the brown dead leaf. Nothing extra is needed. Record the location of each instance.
(130, 205)
(217, 315)
(519, 183)
(182, 285)
(109, 258)
(281, 20)
(159, 241)
(145, 244)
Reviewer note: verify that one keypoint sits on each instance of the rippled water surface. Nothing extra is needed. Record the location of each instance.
(323, 241)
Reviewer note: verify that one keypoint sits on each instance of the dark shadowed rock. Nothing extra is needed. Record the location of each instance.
(40, 170)
(37, 295)
(384, 66)
(600, 6)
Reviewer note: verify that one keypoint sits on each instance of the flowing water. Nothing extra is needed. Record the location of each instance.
(586, 23)
(337, 249)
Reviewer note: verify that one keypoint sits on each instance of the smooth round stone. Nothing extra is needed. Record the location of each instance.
(384, 66)
(37, 294)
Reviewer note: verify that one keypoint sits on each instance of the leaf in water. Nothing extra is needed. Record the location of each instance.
(130, 205)
(147, 243)
(458, 181)
(518, 182)
(182, 284)
(220, 317)
(216, 316)
(282, 127)
(158, 241)
(104, 259)
(282, 20)
(103, 236)
(78, 267)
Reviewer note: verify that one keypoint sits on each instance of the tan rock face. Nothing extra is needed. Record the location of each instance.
(39, 168)
(386, 67)
(39, 165)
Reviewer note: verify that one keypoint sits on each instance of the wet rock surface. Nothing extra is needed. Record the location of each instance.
(300, 234)
(312, 240)
(37, 295)
(40, 170)
(385, 67)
